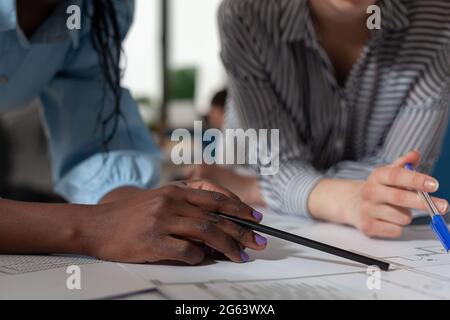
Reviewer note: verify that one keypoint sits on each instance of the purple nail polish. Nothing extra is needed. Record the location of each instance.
(260, 240)
(244, 256)
(257, 215)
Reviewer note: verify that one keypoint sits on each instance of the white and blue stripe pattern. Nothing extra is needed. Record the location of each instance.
(395, 99)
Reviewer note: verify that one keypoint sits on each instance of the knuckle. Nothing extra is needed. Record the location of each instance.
(393, 175)
(395, 232)
(242, 233)
(218, 197)
(238, 232)
(377, 172)
(189, 253)
(408, 219)
(367, 227)
(153, 224)
(240, 206)
(198, 258)
(214, 218)
(206, 227)
(398, 196)
(365, 208)
(417, 181)
(163, 200)
(231, 245)
(367, 191)
(171, 190)
(184, 249)
(206, 180)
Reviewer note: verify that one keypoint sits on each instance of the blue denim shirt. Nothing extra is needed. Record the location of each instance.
(61, 68)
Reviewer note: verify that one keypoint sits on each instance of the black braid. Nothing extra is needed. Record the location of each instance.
(107, 42)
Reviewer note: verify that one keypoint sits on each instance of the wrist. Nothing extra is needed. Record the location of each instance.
(85, 226)
(44, 228)
(121, 193)
(349, 205)
(334, 200)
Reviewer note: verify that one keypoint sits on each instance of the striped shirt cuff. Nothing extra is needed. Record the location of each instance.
(297, 193)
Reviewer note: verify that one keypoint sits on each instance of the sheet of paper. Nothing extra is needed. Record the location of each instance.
(334, 287)
(19, 264)
(280, 260)
(287, 270)
(283, 271)
(45, 277)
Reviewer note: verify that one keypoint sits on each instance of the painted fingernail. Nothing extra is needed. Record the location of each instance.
(431, 185)
(260, 240)
(257, 215)
(442, 206)
(244, 256)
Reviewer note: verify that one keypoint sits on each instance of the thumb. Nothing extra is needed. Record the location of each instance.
(209, 186)
(188, 172)
(412, 157)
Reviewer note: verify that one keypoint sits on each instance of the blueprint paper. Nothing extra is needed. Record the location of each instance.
(98, 281)
(420, 268)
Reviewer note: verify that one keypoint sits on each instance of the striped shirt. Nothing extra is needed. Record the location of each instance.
(395, 99)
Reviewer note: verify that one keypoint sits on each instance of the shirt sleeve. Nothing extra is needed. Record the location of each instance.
(258, 107)
(72, 104)
(418, 127)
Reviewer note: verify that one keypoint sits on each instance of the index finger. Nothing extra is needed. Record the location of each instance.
(210, 186)
(219, 202)
(411, 157)
(404, 178)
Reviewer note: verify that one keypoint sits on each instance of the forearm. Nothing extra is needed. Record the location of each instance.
(43, 228)
(331, 199)
(121, 193)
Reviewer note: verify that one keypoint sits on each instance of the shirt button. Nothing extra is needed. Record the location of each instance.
(3, 79)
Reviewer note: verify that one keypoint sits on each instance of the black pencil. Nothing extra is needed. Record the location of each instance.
(308, 242)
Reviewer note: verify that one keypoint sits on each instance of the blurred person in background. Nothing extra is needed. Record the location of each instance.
(353, 104)
(238, 180)
(104, 161)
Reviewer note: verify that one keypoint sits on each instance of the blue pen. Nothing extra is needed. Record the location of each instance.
(438, 224)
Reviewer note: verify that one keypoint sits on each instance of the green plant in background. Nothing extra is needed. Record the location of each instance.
(182, 87)
(145, 101)
(182, 83)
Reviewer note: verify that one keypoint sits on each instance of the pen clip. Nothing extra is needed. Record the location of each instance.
(440, 229)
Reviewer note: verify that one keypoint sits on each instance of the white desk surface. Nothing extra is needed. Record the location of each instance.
(421, 270)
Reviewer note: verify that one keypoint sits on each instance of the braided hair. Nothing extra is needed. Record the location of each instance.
(107, 42)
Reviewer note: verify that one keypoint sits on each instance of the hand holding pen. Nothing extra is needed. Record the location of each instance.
(383, 202)
(437, 224)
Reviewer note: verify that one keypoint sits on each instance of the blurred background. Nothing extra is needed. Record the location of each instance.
(194, 68)
(172, 67)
